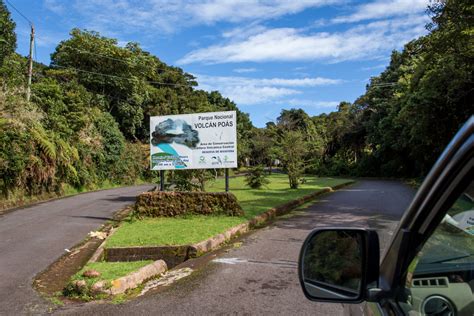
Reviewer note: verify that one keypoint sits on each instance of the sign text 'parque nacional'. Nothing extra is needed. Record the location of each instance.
(194, 141)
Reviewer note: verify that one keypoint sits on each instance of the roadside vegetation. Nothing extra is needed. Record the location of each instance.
(194, 228)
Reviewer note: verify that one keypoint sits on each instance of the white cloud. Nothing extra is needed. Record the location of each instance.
(281, 82)
(251, 95)
(313, 103)
(163, 16)
(290, 44)
(237, 11)
(54, 6)
(381, 9)
(245, 70)
(243, 32)
(250, 91)
(376, 67)
(48, 40)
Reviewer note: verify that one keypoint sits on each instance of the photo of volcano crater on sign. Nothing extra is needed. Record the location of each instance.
(177, 131)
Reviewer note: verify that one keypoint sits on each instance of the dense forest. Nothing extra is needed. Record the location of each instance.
(87, 122)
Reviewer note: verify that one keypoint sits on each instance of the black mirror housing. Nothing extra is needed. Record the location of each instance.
(339, 264)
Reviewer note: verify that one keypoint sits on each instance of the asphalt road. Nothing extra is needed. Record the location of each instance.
(32, 238)
(260, 277)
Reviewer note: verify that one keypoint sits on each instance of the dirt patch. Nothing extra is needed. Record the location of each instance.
(57, 275)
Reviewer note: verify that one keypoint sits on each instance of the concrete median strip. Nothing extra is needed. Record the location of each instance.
(132, 280)
(215, 242)
(184, 252)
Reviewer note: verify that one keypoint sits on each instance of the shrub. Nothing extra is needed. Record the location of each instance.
(168, 204)
(191, 180)
(256, 177)
(293, 152)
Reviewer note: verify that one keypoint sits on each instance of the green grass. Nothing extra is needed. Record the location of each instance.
(195, 228)
(277, 192)
(110, 270)
(170, 231)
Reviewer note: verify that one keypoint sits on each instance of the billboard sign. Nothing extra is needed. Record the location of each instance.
(194, 141)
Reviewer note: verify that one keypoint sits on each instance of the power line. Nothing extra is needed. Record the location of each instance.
(120, 77)
(19, 12)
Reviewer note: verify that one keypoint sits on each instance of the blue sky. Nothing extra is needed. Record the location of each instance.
(264, 55)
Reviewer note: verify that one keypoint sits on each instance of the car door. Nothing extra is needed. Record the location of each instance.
(440, 279)
(429, 267)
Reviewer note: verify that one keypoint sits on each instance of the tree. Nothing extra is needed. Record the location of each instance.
(261, 148)
(293, 151)
(256, 178)
(7, 33)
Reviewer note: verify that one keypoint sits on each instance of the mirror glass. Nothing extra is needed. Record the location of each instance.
(332, 265)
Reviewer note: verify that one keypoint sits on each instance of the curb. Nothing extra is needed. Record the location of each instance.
(132, 280)
(215, 242)
(99, 253)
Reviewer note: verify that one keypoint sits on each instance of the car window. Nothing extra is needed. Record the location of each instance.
(440, 279)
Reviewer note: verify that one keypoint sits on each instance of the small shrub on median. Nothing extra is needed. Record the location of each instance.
(169, 204)
(256, 177)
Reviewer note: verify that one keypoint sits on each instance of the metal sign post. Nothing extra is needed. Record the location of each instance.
(226, 179)
(162, 180)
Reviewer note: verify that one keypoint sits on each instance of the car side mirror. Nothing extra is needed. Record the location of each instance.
(339, 264)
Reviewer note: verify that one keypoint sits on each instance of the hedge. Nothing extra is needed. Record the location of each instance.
(169, 204)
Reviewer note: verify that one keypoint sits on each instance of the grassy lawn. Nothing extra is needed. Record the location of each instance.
(170, 231)
(110, 270)
(277, 192)
(194, 228)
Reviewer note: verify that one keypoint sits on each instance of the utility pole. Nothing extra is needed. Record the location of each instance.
(30, 63)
